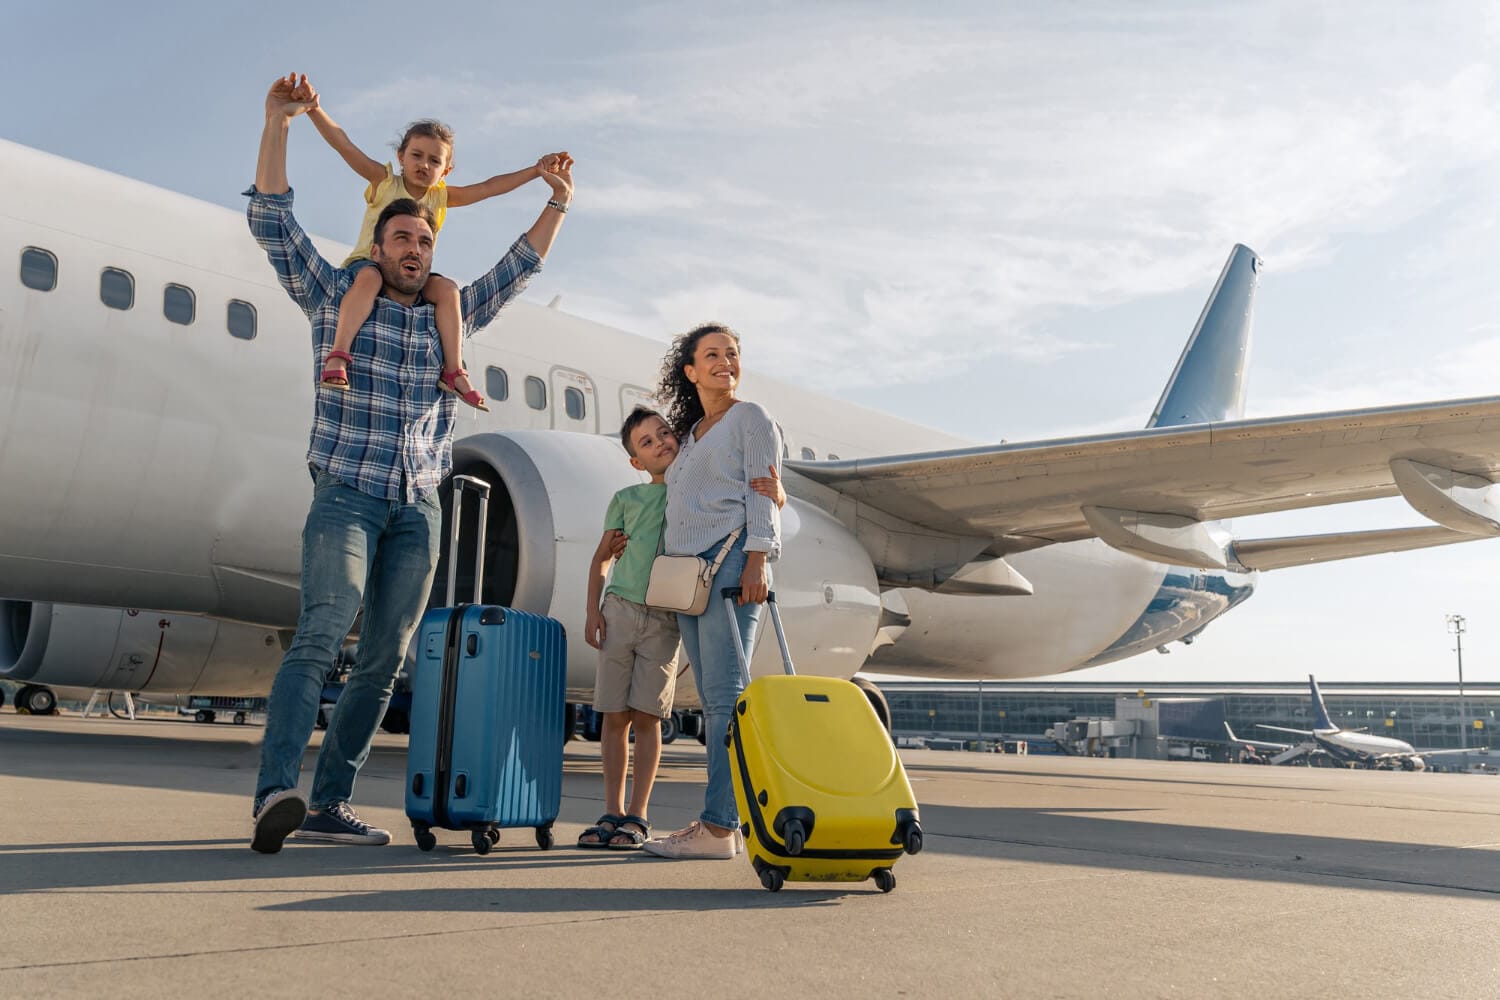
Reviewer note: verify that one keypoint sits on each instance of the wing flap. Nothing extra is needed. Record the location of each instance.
(1306, 550)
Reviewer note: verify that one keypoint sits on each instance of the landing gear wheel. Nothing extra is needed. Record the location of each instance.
(877, 700)
(37, 700)
(481, 841)
(544, 838)
(669, 729)
(772, 879)
(885, 879)
(425, 840)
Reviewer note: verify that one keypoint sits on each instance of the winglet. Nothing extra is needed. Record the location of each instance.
(1209, 381)
(1320, 711)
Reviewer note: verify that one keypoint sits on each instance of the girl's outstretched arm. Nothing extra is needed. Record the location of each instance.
(370, 170)
(468, 194)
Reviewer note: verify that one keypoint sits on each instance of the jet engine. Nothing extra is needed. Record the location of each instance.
(62, 645)
(546, 513)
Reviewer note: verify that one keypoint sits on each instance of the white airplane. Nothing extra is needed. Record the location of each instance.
(1349, 746)
(156, 389)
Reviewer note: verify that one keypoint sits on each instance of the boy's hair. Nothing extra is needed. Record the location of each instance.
(638, 416)
(430, 128)
(402, 206)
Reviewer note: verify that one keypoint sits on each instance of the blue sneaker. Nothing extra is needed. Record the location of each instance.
(277, 815)
(340, 824)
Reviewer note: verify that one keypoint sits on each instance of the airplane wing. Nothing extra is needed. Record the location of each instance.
(1443, 753)
(1152, 491)
(1257, 744)
(1283, 729)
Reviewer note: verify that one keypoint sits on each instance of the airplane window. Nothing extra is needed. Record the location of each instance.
(241, 320)
(116, 288)
(809, 454)
(179, 304)
(536, 393)
(574, 403)
(496, 384)
(38, 269)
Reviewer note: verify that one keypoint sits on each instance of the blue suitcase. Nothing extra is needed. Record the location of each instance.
(486, 744)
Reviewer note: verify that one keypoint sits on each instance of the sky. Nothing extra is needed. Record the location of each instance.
(1000, 219)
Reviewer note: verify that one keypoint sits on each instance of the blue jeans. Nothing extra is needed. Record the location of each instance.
(356, 550)
(710, 648)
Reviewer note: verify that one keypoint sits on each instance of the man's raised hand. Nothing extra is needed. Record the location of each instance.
(290, 96)
(557, 170)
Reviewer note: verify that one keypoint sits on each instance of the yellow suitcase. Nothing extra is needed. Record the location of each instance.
(822, 795)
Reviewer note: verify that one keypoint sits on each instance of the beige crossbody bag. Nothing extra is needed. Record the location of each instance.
(683, 583)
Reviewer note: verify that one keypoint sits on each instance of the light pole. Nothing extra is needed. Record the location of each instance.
(1456, 629)
(979, 713)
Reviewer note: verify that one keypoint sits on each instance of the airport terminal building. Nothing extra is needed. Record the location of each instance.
(1428, 716)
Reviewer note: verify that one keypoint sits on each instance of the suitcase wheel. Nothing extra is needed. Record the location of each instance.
(481, 841)
(796, 837)
(494, 835)
(913, 841)
(544, 838)
(885, 879)
(772, 879)
(425, 840)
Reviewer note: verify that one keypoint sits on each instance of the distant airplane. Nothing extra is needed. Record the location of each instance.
(1350, 746)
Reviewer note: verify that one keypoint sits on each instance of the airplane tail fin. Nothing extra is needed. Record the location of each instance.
(1320, 711)
(1209, 381)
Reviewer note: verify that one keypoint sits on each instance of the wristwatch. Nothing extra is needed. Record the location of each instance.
(560, 206)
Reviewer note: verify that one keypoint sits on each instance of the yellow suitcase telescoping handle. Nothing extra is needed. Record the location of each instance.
(729, 594)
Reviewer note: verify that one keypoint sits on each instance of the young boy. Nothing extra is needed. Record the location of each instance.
(637, 645)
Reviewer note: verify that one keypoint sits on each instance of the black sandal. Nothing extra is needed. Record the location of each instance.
(603, 831)
(637, 839)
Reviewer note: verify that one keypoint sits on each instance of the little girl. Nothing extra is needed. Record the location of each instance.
(425, 155)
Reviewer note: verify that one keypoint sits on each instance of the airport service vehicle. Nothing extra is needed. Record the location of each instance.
(164, 472)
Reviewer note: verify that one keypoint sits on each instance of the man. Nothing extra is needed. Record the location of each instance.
(377, 454)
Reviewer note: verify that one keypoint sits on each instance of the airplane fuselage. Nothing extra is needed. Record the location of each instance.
(147, 462)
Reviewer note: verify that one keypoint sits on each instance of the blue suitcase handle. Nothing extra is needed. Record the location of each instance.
(729, 594)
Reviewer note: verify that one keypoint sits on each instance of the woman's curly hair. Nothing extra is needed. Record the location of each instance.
(679, 397)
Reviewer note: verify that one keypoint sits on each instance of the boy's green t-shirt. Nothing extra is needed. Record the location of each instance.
(641, 512)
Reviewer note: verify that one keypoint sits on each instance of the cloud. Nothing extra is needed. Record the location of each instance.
(913, 192)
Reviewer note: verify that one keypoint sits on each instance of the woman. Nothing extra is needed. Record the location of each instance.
(723, 443)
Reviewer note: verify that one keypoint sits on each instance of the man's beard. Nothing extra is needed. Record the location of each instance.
(395, 277)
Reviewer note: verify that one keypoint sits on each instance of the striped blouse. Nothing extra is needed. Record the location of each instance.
(708, 485)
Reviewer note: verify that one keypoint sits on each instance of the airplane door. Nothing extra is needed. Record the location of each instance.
(632, 396)
(575, 405)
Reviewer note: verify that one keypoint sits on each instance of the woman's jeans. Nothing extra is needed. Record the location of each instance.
(356, 549)
(710, 648)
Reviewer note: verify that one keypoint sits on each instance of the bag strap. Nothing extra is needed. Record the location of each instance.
(724, 551)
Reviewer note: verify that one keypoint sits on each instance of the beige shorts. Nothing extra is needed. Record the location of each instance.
(638, 662)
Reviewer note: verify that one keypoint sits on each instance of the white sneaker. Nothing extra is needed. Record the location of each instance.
(695, 842)
(739, 841)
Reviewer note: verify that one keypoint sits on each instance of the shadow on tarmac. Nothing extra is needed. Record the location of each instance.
(1115, 839)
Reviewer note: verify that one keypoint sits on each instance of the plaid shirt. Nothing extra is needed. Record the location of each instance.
(393, 425)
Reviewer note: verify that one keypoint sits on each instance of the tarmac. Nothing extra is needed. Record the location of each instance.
(125, 871)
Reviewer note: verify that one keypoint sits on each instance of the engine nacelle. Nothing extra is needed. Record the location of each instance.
(64, 645)
(546, 513)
